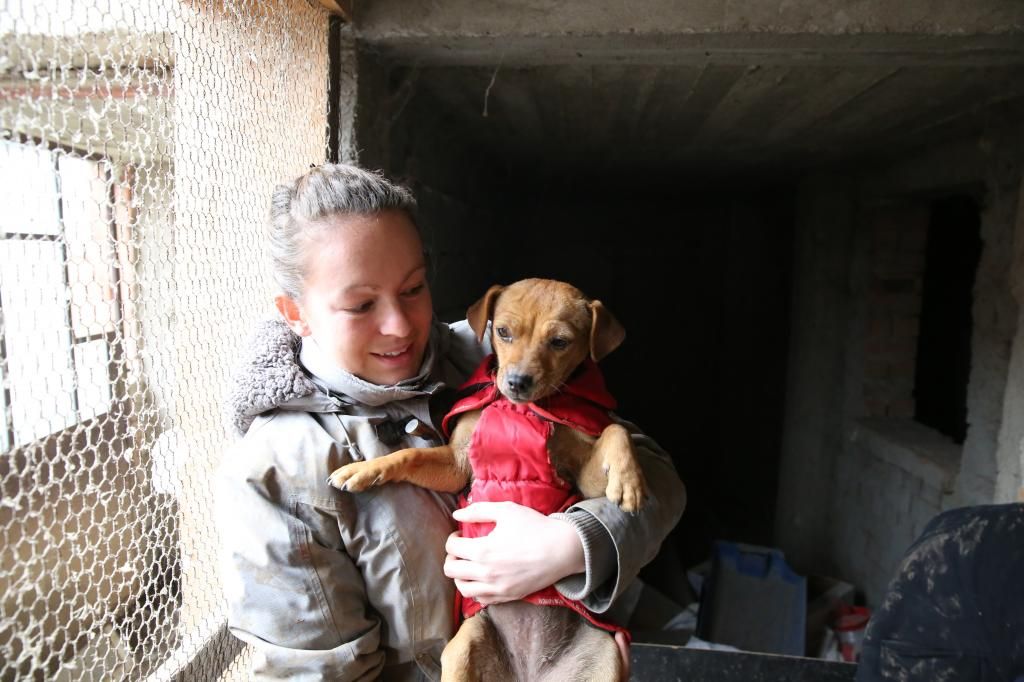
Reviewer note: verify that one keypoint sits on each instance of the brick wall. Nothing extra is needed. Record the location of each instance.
(898, 237)
(893, 474)
(892, 479)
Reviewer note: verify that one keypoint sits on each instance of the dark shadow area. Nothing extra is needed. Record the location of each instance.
(700, 281)
(944, 341)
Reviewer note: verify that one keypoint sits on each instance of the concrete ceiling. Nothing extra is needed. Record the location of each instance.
(717, 118)
(706, 88)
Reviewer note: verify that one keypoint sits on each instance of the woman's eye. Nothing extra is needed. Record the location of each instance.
(503, 333)
(414, 290)
(559, 343)
(361, 308)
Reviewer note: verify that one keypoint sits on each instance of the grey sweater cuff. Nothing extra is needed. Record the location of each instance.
(598, 555)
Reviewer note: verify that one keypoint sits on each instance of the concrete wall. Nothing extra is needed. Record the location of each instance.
(815, 401)
(859, 477)
(989, 459)
(402, 130)
(893, 476)
(1011, 437)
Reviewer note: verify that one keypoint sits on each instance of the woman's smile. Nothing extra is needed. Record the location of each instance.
(394, 358)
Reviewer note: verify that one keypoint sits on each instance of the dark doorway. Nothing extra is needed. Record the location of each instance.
(944, 341)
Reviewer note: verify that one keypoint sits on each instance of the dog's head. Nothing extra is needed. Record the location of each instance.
(542, 330)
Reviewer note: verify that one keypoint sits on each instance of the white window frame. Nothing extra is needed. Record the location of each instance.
(9, 434)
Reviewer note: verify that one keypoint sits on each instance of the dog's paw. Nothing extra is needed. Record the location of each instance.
(358, 476)
(627, 488)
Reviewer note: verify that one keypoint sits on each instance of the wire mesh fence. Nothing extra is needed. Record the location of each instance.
(139, 142)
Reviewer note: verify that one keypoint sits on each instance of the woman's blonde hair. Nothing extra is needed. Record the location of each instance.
(325, 191)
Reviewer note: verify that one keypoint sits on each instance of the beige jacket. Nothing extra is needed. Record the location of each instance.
(326, 585)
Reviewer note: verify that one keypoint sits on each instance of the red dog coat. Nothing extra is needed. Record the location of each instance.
(509, 456)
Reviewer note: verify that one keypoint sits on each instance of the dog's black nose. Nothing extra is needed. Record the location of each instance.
(518, 383)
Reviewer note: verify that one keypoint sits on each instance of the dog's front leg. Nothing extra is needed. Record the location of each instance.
(432, 468)
(613, 466)
(444, 468)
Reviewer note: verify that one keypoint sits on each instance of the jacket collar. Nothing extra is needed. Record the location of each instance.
(272, 375)
(350, 389)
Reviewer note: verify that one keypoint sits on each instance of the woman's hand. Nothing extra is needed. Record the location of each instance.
(525, 552)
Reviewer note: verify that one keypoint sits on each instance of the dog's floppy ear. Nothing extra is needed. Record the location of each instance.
(482, 311)
(605, 331)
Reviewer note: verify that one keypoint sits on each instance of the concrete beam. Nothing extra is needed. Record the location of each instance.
(666, 31)
(893, 50)
(443, 18)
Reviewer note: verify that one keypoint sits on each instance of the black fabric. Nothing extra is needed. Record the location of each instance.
(955, 610)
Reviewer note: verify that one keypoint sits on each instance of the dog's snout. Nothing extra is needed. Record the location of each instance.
(518, 382)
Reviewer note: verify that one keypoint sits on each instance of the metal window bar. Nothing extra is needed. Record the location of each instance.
(6, 386)
(115, 355)
(69, 325)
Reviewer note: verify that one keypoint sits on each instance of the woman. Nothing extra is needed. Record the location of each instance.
(331, 585)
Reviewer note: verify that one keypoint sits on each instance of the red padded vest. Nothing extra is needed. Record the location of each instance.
(509, 456)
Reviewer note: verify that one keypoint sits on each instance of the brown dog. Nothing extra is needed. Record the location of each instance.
(543, 331)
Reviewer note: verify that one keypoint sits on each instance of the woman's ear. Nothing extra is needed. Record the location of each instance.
(483, 310)
(292, 314)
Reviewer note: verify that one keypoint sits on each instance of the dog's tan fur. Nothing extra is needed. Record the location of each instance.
(543, 330)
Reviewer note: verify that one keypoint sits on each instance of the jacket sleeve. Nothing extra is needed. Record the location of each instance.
(616, 544)
(299, 625)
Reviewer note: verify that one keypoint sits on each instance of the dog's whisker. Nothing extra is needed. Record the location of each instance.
(558, 387)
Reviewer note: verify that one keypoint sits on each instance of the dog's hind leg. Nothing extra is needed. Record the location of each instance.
(592, 656)
(475, 654)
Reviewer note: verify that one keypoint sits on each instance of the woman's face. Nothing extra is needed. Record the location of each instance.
(365, 300)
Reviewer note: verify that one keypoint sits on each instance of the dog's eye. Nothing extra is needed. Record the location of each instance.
(503, 334)
(558, 343)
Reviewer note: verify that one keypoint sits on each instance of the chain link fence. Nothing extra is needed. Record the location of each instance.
(139, 143)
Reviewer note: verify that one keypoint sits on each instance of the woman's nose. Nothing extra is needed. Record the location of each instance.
(395, 322)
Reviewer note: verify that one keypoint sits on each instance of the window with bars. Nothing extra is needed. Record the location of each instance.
(139, 143)
(58, 291)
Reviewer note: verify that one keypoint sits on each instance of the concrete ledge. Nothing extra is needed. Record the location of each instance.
(914, 448)
(573, 17)
(691, 48)
(667, 662)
